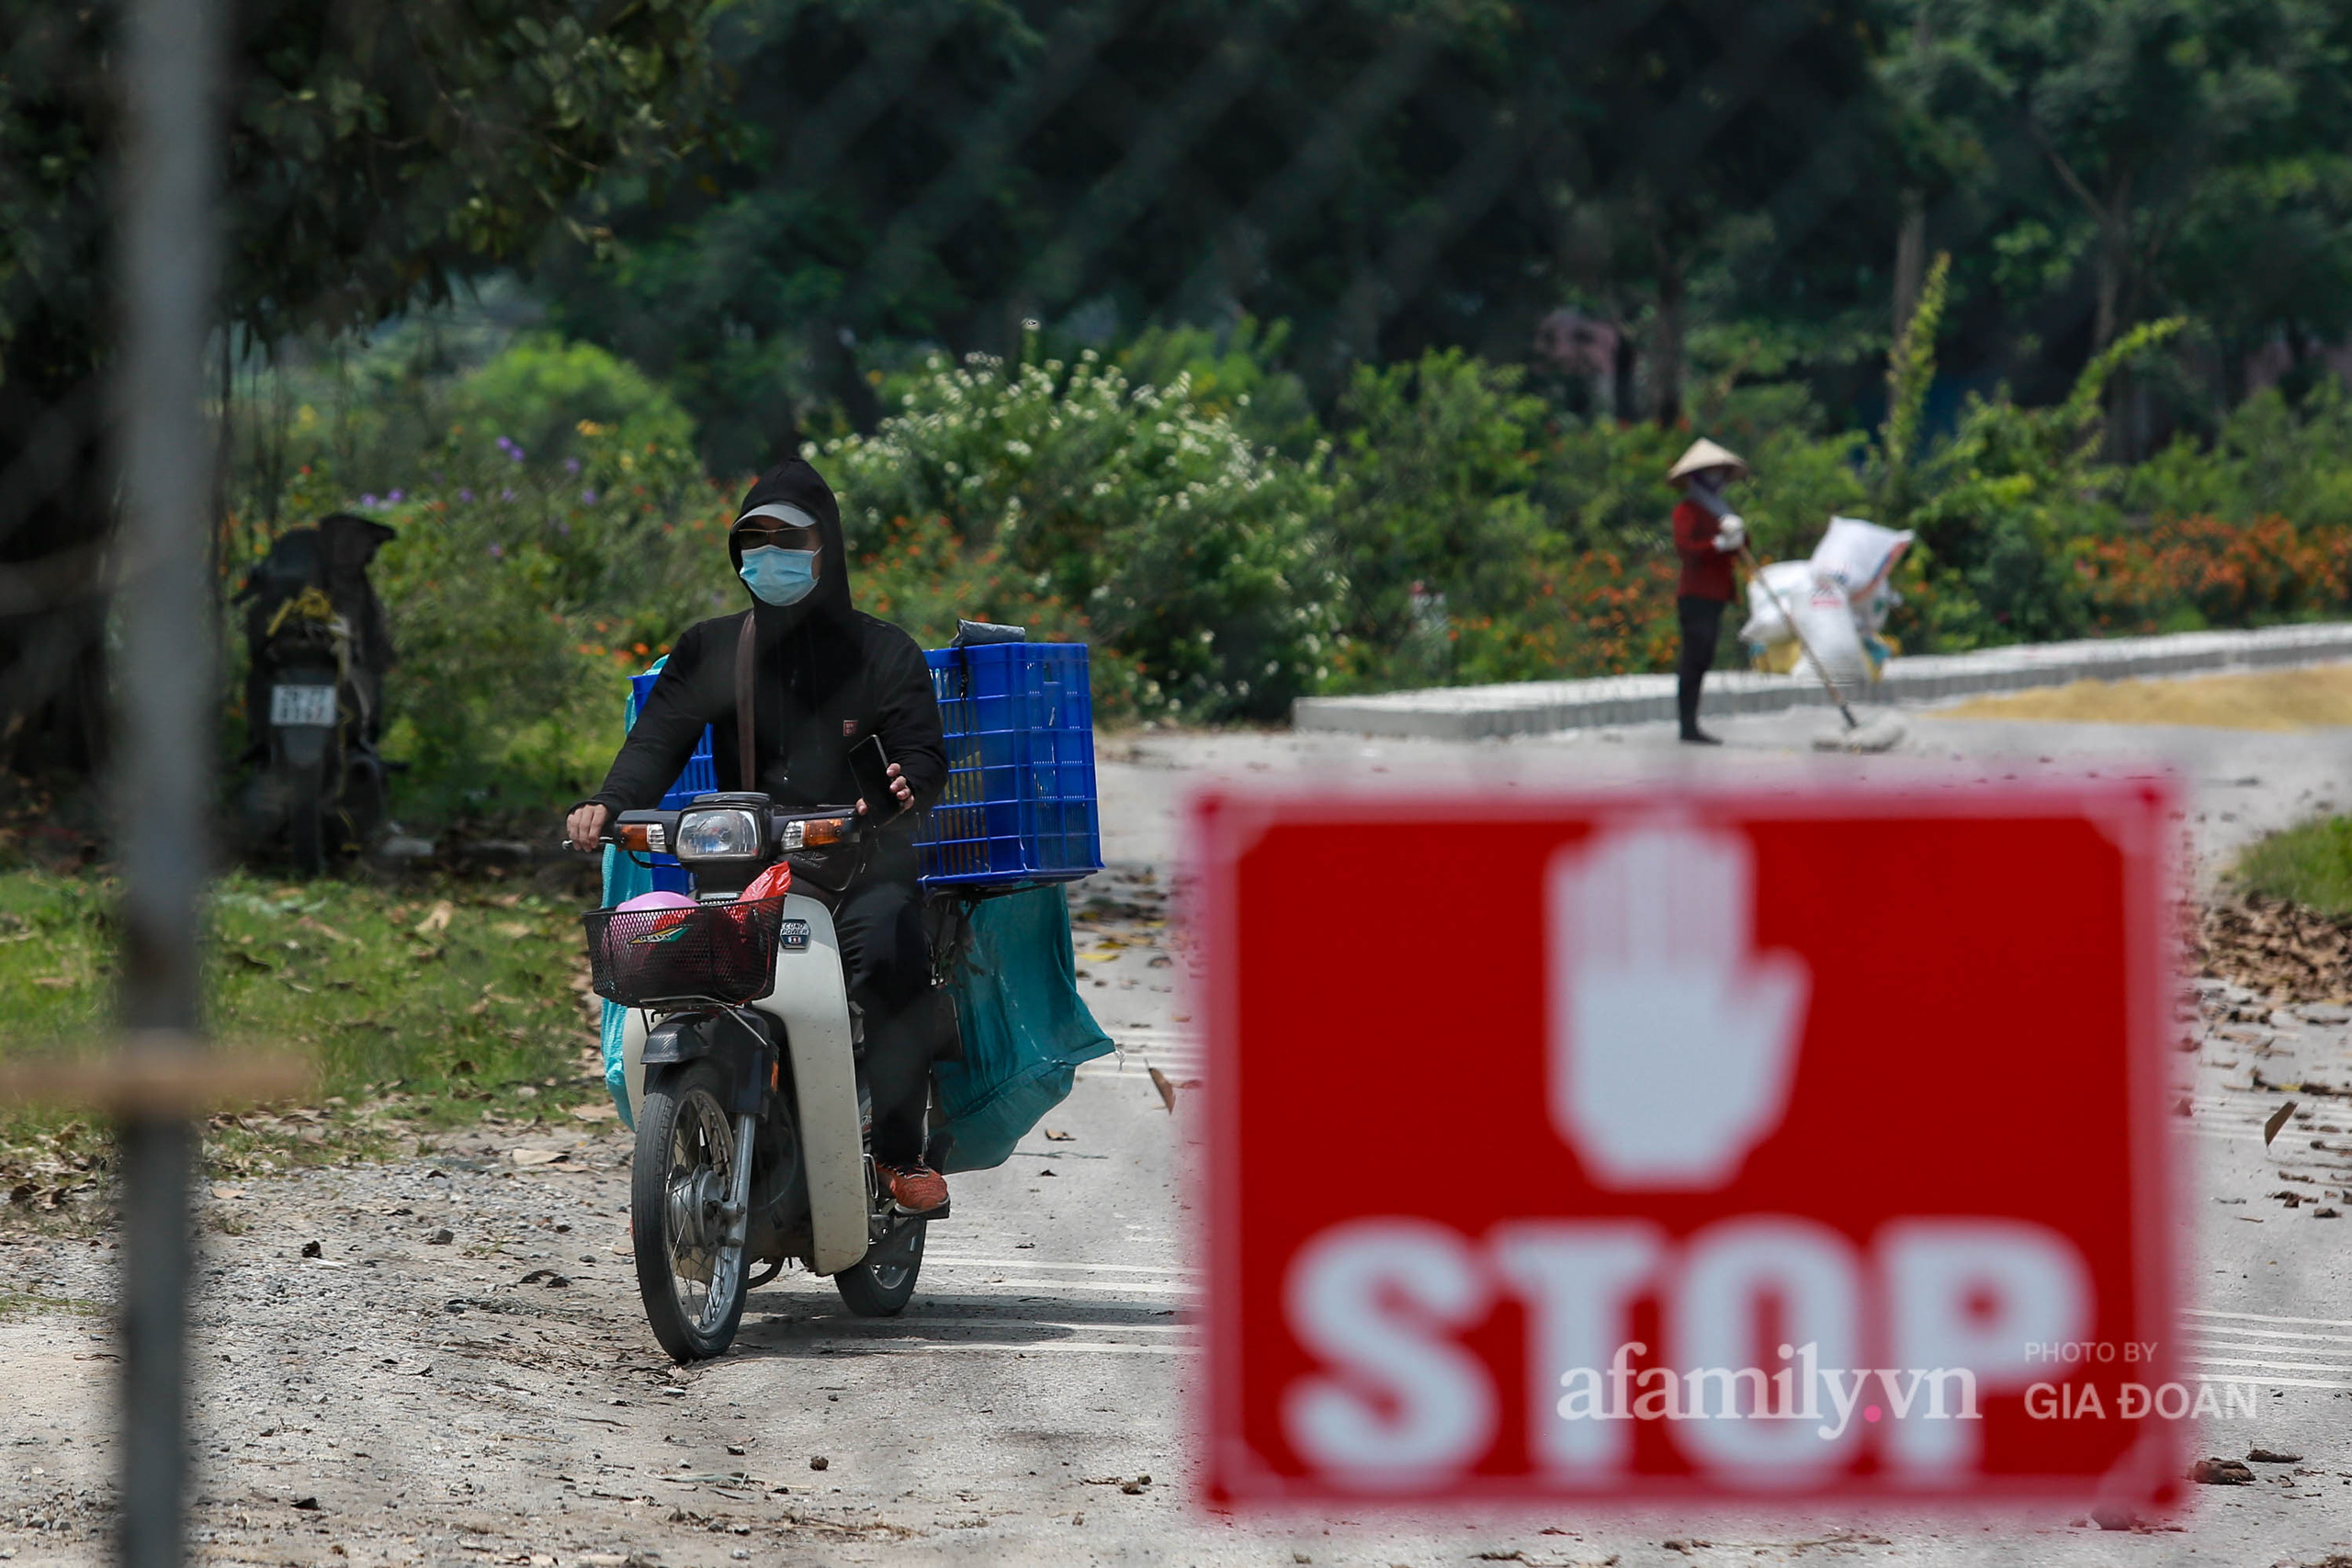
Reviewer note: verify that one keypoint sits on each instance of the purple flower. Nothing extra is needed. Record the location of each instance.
(571, 465)
(564, 529)
(498, 551)
(504, 444)
(505, 495)
(588, 496)
(394, 499)
(515, 453)
(465, 495)
(366, 501)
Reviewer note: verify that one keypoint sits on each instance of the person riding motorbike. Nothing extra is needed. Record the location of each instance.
(827, 676)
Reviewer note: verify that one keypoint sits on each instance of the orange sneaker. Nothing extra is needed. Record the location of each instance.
(916, 1189)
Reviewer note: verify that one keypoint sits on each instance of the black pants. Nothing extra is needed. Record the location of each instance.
(887, 959)
(1702, 623)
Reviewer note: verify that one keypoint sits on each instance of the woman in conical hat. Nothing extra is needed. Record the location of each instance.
(1707, 534)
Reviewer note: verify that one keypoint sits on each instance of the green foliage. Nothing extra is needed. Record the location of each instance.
(542, 391)
(376, 150)
(2003, 500)
(1190, 552)
(381, 149)
(2269, 458)
(1910, 370)
(1436, 518)
(1239, 373)
(526, 571)
(2309, 865)
(1451, 528)
(1385, 176)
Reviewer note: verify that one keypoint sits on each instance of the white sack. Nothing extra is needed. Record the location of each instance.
(1859, 555)
(1792, 579)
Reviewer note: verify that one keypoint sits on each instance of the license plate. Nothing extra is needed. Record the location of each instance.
(301, 704)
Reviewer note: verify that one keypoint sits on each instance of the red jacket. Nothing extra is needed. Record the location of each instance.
(1706, 570)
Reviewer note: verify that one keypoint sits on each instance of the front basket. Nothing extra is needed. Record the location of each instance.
(722, 952)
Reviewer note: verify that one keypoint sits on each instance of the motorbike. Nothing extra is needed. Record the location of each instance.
(754, 1120)
(318, 778)
(317, 783)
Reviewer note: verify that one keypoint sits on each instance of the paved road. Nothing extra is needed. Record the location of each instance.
(1012, 1415)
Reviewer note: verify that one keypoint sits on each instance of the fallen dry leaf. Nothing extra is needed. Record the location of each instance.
(605, 1111)
(514, 931)
(2286, 952)
(436, 918)
(1055, 1135)
(2278, 1119)
(2222, 1473)
(538, 1156)
(1167, 1090)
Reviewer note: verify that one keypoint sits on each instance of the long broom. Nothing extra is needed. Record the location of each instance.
(1878, 734)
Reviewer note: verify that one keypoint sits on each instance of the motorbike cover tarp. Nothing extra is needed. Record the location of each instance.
(1025, 1028)
(623, 880)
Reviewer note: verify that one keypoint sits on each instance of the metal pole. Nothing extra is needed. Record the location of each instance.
(167, 255)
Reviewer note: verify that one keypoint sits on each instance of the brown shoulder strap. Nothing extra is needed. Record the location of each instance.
(747, 745)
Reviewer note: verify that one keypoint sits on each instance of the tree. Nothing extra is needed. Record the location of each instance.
(1386, 177)
(380, 152)
(2131, 106)
(1733, 148)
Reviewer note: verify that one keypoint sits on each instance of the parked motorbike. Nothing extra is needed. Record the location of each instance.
(754, 1120)
(318, 647)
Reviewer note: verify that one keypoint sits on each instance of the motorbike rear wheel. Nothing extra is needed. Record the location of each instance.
(884, 1282)
(692, 1281)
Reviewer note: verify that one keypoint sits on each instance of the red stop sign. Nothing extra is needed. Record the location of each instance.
(1685, 1144)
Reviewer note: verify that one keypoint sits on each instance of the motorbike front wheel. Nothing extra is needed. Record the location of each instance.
(690, 1280)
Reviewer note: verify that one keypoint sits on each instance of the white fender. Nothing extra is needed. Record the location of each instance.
(812, 999)
(633, 1058)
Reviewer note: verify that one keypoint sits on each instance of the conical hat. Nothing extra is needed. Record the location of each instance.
(1705, 454)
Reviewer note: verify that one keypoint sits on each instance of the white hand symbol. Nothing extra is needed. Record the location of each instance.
(1672, 1042)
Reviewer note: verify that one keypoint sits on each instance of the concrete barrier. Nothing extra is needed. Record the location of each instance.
(1532, 707)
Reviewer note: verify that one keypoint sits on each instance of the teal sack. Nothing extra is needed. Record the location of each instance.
(1025, 1029)
(625, 878)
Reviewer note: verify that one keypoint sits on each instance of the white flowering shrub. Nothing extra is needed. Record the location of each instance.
(1194, 556)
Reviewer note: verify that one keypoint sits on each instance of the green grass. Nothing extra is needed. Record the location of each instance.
(421, 1006)
(2310, 864)
(27, 1304)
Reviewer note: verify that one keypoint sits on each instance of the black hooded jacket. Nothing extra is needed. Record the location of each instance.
(828, 677)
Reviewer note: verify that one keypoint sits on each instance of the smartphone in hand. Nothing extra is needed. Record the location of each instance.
(869, 768)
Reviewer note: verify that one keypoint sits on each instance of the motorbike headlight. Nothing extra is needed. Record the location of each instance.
(725, 834)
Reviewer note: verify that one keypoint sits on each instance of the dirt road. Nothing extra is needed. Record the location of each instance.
(493, 1396)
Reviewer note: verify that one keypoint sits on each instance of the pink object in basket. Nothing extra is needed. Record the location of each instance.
(658, 901)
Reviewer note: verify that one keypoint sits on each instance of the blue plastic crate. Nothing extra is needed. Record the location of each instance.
(701, 777)
(1019, 805)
